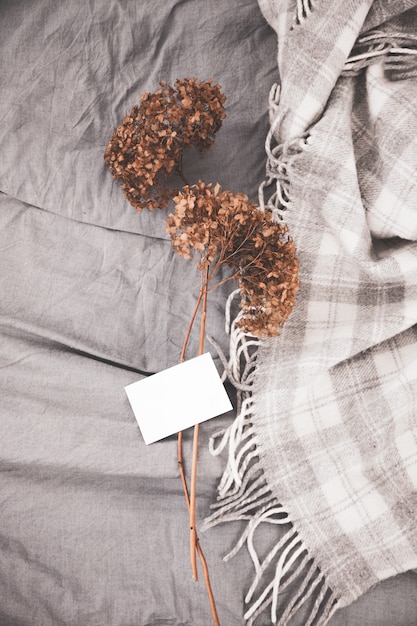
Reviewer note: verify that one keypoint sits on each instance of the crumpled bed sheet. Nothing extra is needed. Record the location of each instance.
(93, 522)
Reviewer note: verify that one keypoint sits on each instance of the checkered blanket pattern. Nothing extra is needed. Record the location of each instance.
(334, 402)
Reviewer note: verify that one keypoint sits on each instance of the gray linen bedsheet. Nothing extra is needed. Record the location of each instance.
(93, 526)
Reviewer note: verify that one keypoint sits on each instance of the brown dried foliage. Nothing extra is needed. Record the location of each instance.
(217, 225)
(225, 228)
(147, 147)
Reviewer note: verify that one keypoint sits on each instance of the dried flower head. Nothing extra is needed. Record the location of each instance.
(225, 228)
(268, 281)
(206, 219)
(147, 148)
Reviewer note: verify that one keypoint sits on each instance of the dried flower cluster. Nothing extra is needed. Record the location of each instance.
(225, 228)
(147, 147)
(268, 279)
(219, 226)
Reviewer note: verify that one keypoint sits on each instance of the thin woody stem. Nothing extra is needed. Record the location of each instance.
(193, 494)
(199, 548)
(180, 460)
(208, 585)
(180, 456)
(195, 546)
(204, 290)
(182, 359)
(193, 488)
(190, 326)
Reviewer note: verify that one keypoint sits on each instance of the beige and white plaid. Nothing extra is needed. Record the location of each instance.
(328, 437)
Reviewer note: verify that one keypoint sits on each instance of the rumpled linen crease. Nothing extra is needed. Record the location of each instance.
(326, 444)
(94, 528)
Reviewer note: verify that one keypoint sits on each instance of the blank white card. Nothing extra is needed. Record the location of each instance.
(178, 398)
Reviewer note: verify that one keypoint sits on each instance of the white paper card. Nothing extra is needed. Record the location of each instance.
(177, 398)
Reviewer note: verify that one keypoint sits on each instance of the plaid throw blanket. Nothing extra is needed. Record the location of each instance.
(325, 445)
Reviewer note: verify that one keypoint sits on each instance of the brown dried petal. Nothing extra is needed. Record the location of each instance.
(147, 147)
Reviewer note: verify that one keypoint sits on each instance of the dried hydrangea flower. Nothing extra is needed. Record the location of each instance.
(269, 281)
(225, 228)
(147, 147)
(220, 227)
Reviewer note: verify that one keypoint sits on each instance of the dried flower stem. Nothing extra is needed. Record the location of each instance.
(202, 297)
(199, 548)
(190, 496)
(180, 460)
(193, 495)
(191, 499)
(208, 585)
(190, 326)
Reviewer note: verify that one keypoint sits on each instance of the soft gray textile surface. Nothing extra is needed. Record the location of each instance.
(93, 522)
(68, 76)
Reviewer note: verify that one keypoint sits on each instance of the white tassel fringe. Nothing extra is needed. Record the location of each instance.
(243, 494)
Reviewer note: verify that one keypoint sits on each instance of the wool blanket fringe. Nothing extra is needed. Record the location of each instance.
(278, 164)
(396, 51)
(322, 453)
(243, 494)
(304, 9)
